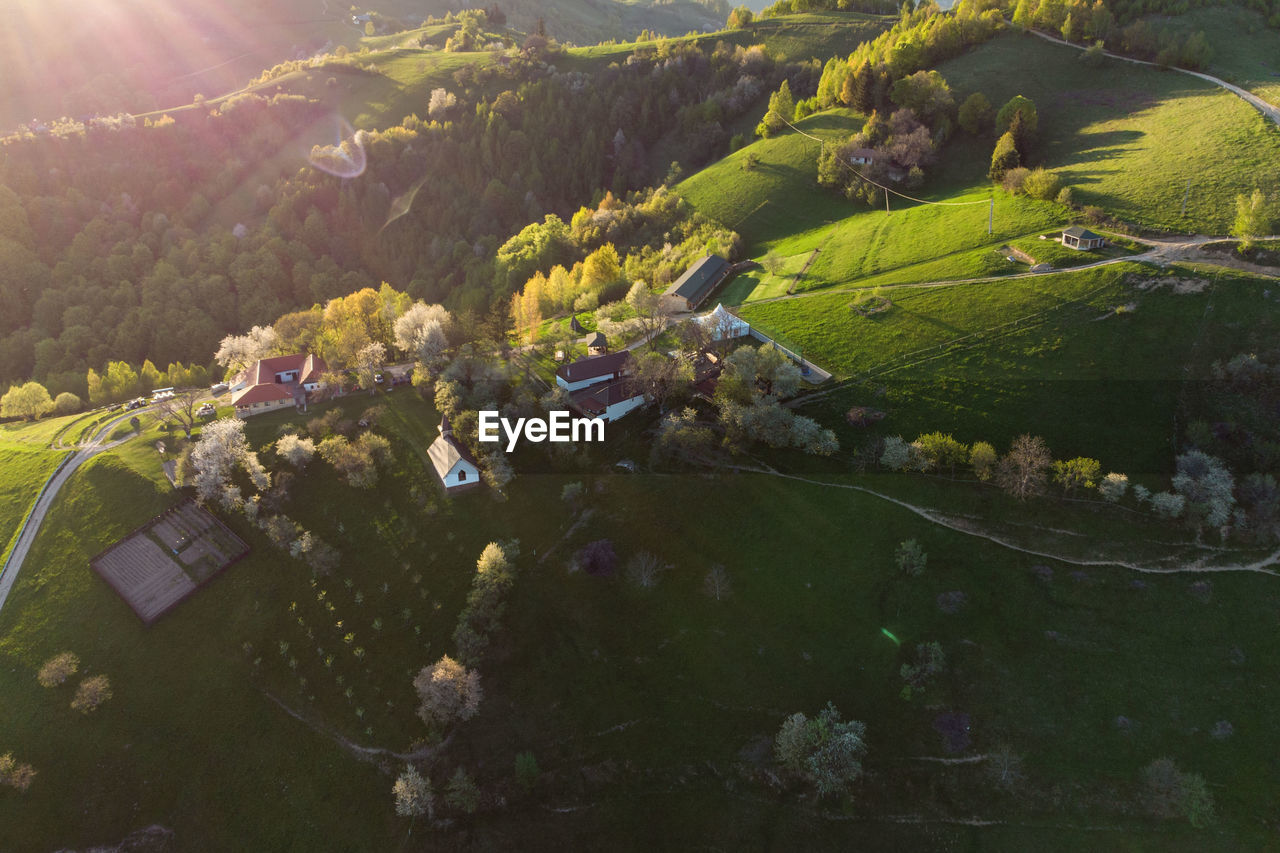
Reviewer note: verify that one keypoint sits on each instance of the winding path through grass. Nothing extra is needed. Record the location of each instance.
(1268, 109)
(49, 492)
(970, 529)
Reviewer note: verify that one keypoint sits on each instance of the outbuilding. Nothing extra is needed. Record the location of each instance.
(1083, 239)
(699, 281)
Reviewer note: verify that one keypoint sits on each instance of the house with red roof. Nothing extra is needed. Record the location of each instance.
(274, 383)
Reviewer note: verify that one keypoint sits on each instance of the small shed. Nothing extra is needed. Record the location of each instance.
(597, 344)
(1076, 237)
(575, 326)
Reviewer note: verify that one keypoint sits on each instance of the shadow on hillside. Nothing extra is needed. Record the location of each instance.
(928, 319)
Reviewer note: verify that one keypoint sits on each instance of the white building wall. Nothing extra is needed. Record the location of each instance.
(453, 480)
(583, 383)
(617, 410)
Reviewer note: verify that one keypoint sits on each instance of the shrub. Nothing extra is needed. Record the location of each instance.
(15, 775)
(91, 693)
(982, 458)
(1015, 180)
(67, 403)
(1042, 184)
(1172, 793)
(1113, 487)
(597, 558)
(1168, 505)
(910, 559)
(58, 669)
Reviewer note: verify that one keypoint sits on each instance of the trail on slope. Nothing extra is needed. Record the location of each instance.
(971, 529)
(1267, 108)
(1162, 253)
(31, 527)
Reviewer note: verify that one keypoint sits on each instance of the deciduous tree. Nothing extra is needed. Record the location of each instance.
(180, 409)
(28, 401)
(413, 794)
(976, 115)
(1078, 473)
(1023, 471)
(982, 458)
(294, 450)
(825, 751)
(449, 692)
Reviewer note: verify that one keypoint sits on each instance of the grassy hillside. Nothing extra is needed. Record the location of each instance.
(1125, 138)
(24, 470)
(1245, 50)
(1092, 360)
(673, 712)
(397, 76)
(778, 206)
(1128, 138)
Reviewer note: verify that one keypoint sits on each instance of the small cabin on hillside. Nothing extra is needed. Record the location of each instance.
(597, 344)
(1083, 239)
(454, 464)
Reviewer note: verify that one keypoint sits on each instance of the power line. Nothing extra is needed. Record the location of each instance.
(823, 143)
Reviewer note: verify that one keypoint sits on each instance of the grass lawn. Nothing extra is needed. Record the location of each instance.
(674, 710)
(23, 470)
(1051, 251)
(1095, 365)
(1246, 51)
(1127, 138)
(778, 206)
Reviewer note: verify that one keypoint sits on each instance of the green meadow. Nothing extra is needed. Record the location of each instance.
(662, 696)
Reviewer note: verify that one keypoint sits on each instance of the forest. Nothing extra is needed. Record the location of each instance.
(130, 241)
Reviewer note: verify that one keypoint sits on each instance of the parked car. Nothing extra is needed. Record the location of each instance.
(220, 388)
(206, 411)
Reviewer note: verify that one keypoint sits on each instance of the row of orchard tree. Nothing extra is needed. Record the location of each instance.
(1205, 493)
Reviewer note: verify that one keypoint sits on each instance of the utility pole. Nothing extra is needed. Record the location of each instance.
(1185, 196)
(886, 200)
(991, 215)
